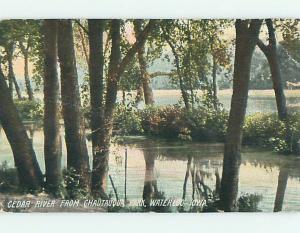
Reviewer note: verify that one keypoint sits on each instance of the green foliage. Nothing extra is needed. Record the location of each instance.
(9, 182)
(266, 130)
(29, 109)
(201, 124)
(72, 185)
(127, 120)
(249, 202)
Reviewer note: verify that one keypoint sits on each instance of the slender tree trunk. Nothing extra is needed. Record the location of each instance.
(10, 87)
(52, 139)
(184, 93)
(282, 183)
(77, 159)
(25, 53)
(96, 64)
(246, 39)
(11, 74)
(26, 77)
(214, 76)
(271, 54)
(100, 161)
(30, 175)
(148, 93)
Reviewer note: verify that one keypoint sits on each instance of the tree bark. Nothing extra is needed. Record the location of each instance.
(11, 75)
(214, 76)
(96, 65)
(26, 70)
(52, 139)
(100, 160)
(281, 187)
(30, 175)
(271, 54)
(148, 93)
(77, 159)
(246, 39)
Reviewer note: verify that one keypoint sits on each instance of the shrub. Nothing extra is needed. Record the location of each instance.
(249, 202)
(9, 182)
(266, 130)
(29, 109)
(127, 120)
(172, 121)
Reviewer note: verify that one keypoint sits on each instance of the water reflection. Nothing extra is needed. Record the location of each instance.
(150, 189)
(175, 170)
(281, 187)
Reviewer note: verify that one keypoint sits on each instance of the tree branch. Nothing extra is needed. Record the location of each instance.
(264, 48)
(160, 73)
(139, 43)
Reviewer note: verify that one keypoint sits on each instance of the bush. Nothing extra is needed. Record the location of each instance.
(29, 109)
(127, 120)
(266, 130)
(202, 124)
(9, 182)
(205, 124)
(249, 202)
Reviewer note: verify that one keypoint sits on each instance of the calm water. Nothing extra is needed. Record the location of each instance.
(258, 174)
(256, 103)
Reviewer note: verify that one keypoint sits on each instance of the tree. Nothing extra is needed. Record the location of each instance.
(25, 51)
(247, 32)
(9, 48)
(96, 78)
(115, 70)
(145, 78)
(52, 139)
(30, 175)
(185, 95)
(77, 154)
(271, 54)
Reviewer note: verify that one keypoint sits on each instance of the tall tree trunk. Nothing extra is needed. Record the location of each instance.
(282, 183)
(100, 160)
(214, 77)
(246, 39)
(271, 54)
(26, 77)
(11, 74)
(77, 159)
(52, 139)
(30, 175)
(116, 69)
(96, 64)
(148, 93)
(25, 53)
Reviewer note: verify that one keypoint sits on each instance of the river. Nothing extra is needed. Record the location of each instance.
(168, 163)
